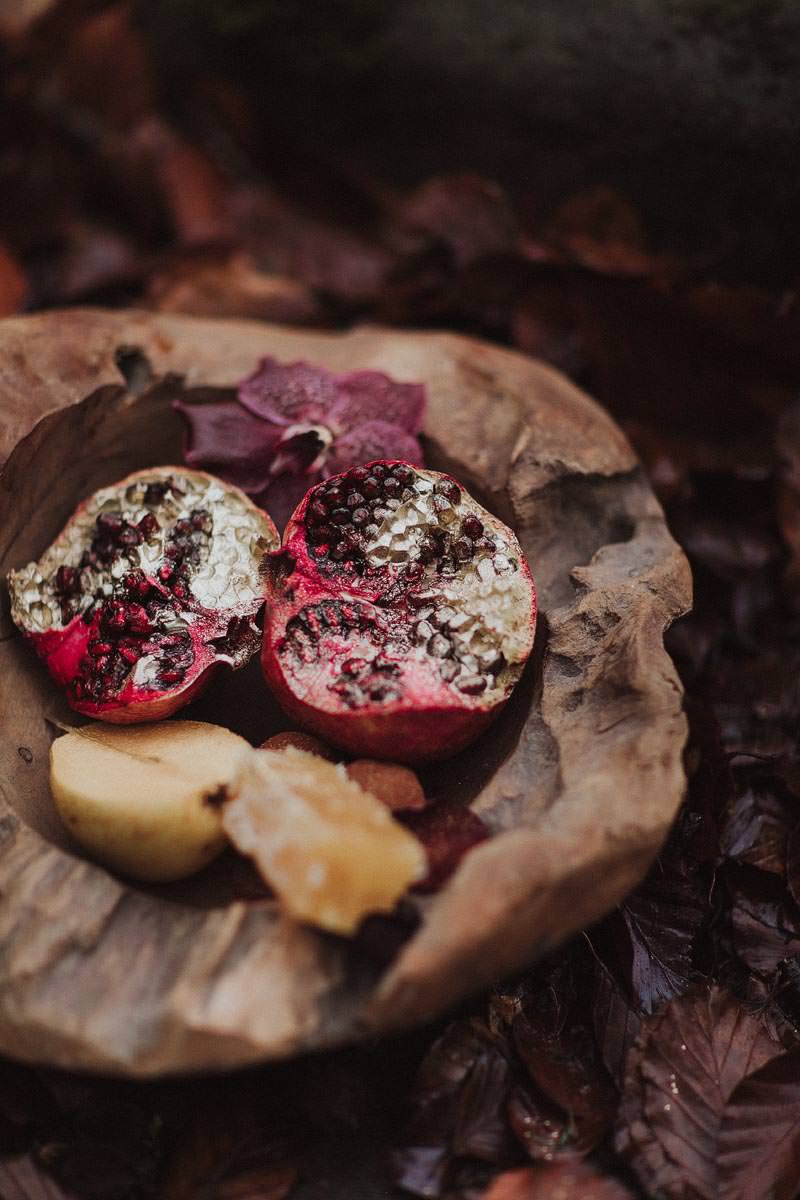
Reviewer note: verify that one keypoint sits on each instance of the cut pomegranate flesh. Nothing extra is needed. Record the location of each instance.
(152, 582)
(400, 613)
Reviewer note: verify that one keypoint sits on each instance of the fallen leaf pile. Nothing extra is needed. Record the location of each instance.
(658, 1054)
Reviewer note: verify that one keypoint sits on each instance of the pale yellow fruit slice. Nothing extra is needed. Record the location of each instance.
(146, 799)
(331, 851)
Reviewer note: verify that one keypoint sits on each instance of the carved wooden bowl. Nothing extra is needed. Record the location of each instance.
(578, 780)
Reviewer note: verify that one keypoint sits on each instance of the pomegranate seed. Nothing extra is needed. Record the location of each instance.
(463, 548)
(129, 654)
(340, 551)
(472, 527)
(355, 500)
(110, 522)
(334, 497)
(405, 475)
(180, 591)
(391, 487)
(172, 675)
(439, 646)
(66, 579)
(472, 685)
(449, 489)
(340, 516)
(98, 649)
(129, 536)
(379, 471)
(165, 573)
(360, 516)
(317, 512)
(371, 487)
(148, 525)
(358, 474)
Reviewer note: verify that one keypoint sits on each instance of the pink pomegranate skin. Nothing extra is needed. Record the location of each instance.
(153, 582)
(398, 636)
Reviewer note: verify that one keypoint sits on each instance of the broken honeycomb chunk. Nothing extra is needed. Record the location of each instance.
(331, 851)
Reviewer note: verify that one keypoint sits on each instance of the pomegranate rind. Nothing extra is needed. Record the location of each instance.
(146, 800)
(323, 614)
(223, 596)
(331, 852)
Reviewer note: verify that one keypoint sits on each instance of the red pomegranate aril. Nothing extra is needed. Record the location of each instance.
(393, 685)
(357, 474)
(165, 573)
(67, 580)
(317, 512)
(110, 522)
(473, 685)
(355, 500)
(333, 497)
(450, 490)
(472, 527)
(341, 516)
(148, 525)
(172, 676)
(99, 649)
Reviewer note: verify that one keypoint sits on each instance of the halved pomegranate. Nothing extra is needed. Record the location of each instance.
(400, 613)
(152, 582)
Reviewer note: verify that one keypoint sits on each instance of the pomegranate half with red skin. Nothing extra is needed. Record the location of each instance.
(400, 613)
(152, 583)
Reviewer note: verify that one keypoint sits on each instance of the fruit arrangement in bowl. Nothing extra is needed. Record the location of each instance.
(398, 615)
(273, 731)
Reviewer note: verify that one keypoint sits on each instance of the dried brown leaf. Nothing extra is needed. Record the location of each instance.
(572, 1181)
(759, 1140)
(688, 1061)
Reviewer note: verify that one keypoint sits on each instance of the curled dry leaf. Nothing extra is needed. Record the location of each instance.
(331, 851)
(688, 1062)
(23, 1179)
(570, 1181)
(759, 1139)
(758, 825)
(228, 284)
(457, 1110)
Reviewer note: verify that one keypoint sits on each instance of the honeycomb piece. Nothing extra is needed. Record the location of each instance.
(331, 852)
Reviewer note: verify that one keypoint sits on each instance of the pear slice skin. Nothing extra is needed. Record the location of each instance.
(145, 800)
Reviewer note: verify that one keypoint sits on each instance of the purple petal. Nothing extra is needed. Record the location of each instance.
(284, 494)
(289, 393)
(371, 395)
(373, 439)
(226, 439)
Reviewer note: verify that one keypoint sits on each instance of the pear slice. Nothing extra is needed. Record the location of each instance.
(146, 799)
(331, 851)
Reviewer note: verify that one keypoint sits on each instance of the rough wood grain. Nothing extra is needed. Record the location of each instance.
(578, 780)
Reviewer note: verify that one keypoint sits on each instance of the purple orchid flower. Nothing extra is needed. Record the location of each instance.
(293, 424)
